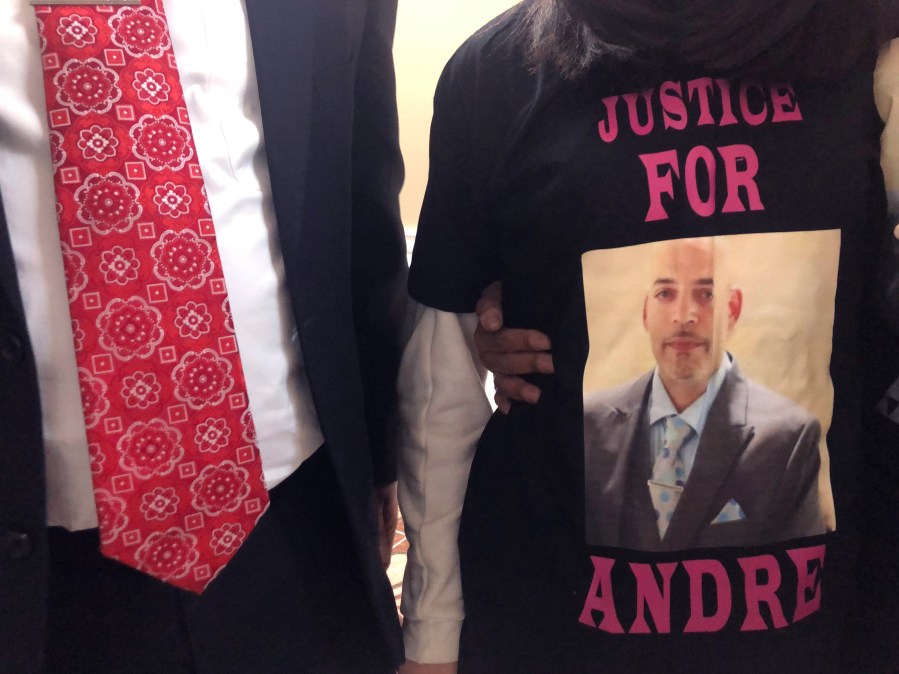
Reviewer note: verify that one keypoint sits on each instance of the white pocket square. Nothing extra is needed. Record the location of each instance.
(731, 512)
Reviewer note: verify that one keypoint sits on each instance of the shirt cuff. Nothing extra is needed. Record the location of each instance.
(432, 642)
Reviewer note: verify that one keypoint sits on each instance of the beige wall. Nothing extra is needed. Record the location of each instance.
(427, 34)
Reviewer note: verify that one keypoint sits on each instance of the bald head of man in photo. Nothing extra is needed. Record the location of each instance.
(690, 310)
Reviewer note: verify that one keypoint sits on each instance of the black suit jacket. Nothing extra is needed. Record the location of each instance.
(327, 91)
(757, 448)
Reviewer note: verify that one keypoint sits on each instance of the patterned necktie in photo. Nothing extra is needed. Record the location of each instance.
(669, 474)
(177, 476)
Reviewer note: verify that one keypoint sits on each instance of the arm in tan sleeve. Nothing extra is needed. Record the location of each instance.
(444, 409)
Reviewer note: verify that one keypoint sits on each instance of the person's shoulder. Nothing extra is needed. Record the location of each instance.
(497, 40)
(768, 407)
(493, 54)
(617, 399)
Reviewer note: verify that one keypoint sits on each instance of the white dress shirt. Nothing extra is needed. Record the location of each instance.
(212, 47)
(695, 416)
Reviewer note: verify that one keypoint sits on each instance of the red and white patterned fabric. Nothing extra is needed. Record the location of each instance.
(177, 475)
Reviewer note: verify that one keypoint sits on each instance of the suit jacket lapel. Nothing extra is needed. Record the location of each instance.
(283, 34)
(724, 438)
(621, 440)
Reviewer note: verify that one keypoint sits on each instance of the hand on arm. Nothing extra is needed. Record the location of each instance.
(444, 410)
(385, 504)
(509, 352)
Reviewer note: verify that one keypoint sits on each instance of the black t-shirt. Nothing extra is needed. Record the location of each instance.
(700, 250)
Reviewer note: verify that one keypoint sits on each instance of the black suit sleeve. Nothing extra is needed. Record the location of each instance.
(379, 249)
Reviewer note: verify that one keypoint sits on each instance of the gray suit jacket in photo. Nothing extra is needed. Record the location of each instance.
(757, 448)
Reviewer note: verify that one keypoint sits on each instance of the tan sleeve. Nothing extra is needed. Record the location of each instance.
(443, 408)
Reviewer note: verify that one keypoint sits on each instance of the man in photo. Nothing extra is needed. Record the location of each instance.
(692, 454)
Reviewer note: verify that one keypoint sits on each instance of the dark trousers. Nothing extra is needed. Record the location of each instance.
(293, 599)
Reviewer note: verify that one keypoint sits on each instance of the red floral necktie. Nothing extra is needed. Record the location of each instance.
(177, 476)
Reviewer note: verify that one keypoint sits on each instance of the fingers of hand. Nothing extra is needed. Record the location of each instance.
(516, 388)
(503, 404)
(511, 340)
(385, 505)
(385, 535)
(384, 549)
(515, 363)
(490, 307)
(489, 318)
(386, 555)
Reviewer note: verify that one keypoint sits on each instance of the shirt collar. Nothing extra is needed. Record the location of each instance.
(660, 405)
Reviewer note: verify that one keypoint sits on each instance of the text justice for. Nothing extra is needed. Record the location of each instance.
(701, 102)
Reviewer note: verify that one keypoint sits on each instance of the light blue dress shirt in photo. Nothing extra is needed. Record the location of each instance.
(696, 415)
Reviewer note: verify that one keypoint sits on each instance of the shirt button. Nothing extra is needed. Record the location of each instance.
(15, 545)
(11, 348)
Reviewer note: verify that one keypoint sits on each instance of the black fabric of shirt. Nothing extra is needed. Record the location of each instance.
(520, 187)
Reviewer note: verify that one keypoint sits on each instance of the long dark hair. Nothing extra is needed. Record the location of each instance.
(795, 39)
